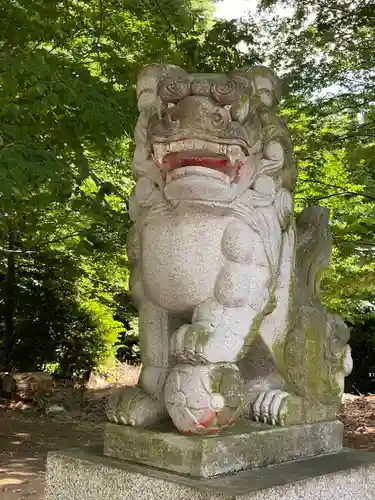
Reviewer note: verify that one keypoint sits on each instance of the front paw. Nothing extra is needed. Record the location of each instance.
(272, 407)
(132, 406)
(188, 343)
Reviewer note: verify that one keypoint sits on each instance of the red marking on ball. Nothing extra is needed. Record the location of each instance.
(208, 420)
(205, 422)
(187, 432)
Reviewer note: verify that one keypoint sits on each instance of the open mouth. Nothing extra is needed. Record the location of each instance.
(186, 157)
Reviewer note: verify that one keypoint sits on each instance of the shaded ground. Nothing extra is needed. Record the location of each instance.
(26, 436)
(28, 433)
(24, 444)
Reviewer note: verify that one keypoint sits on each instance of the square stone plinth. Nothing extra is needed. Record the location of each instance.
(346, 475)
(246, 446)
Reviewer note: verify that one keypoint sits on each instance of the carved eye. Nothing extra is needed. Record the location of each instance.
(217, 118)
(177, 86)
(225, 92)
(172, 90)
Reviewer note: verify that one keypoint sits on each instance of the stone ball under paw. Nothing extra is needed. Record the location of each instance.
(204, 399)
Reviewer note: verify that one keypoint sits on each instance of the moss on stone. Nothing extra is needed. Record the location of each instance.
(251, 336)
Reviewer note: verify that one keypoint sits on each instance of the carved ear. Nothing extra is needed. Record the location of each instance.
(262, 79)
(148, 81)
(147, 84)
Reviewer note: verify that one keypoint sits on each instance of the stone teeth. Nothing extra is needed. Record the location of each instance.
(240, 153)
(159, 152)
(232, 151)
(158, 148)
(235, 154)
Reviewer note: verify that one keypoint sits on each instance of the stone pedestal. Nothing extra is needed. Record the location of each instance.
(245, 446)
(345, 475)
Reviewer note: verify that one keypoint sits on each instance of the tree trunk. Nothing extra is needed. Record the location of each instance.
(9, 301)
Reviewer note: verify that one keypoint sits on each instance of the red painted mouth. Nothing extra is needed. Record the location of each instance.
(189, 158)
(181, 159)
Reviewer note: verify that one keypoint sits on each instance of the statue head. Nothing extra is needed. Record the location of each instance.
(210, 135)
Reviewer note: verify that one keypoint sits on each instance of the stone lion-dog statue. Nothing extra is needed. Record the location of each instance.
(225, 280)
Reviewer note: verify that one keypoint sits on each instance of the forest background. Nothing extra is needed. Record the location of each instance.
(67, 115)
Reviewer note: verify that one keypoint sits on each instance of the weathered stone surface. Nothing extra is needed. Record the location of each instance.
(247, 445)
(221, 273)
(347, 475)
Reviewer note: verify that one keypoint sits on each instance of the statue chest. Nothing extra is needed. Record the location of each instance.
(181, 258)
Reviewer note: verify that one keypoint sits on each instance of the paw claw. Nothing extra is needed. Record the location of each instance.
(190, 356)
(185, 343)
(268, 405)
(134, 407)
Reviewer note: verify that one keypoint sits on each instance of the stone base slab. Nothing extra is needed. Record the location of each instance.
(246, 446)
(77, 475)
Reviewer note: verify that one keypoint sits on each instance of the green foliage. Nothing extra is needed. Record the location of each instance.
(67, 115)
(323, 52)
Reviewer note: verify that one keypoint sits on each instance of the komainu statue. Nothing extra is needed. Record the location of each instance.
(226, 282)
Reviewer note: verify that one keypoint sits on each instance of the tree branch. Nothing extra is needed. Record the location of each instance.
(358, 243)
(171, 27)
(98, 35)
(344, 191)
(8, 251)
